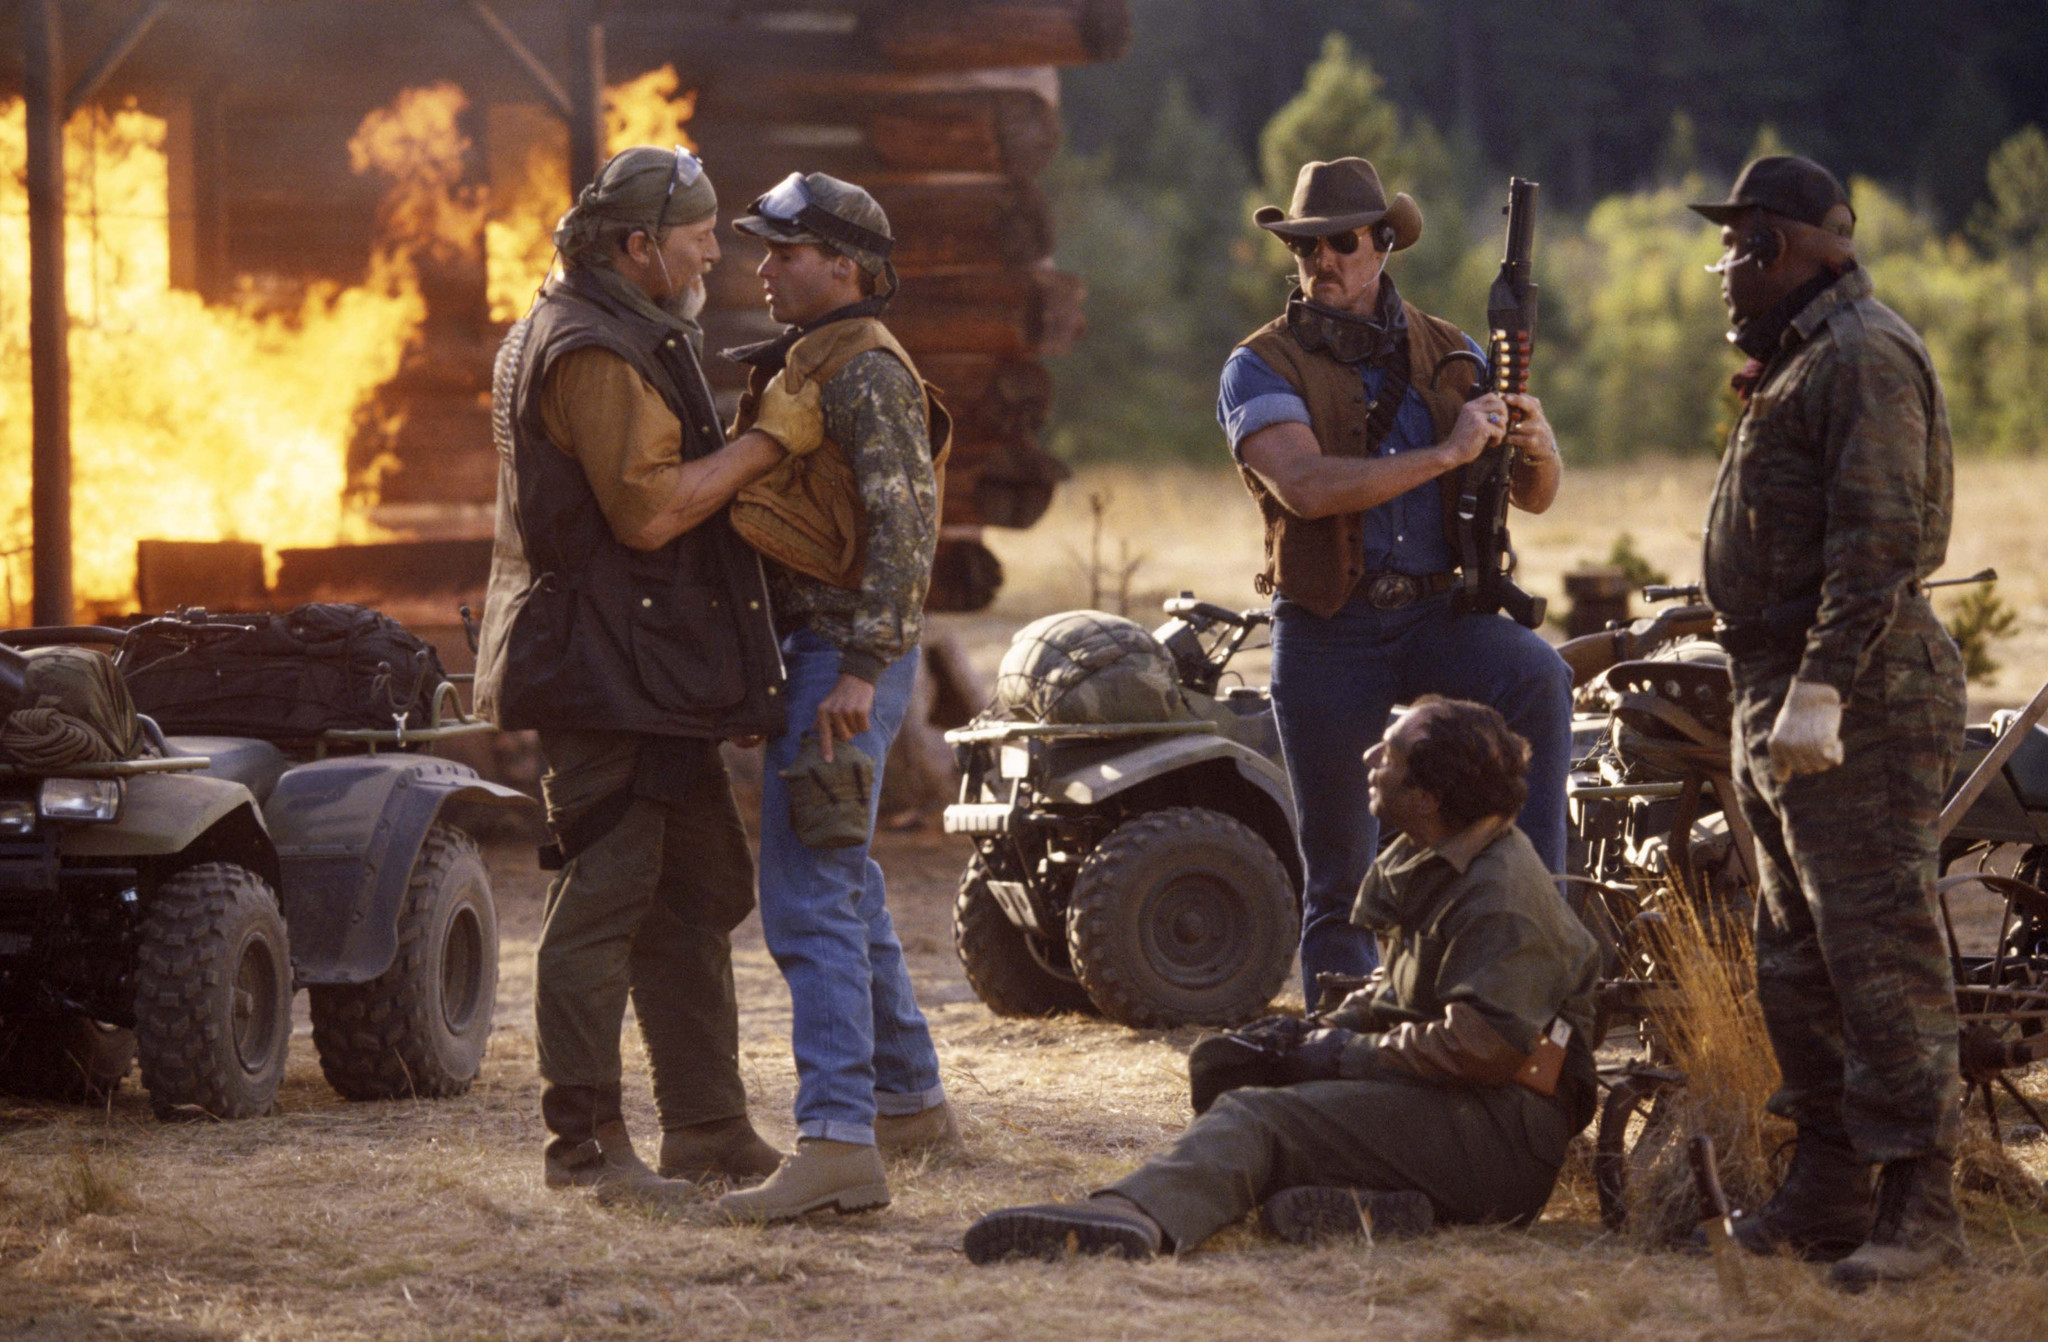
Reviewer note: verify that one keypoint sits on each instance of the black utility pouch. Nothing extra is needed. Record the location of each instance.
(828, 803)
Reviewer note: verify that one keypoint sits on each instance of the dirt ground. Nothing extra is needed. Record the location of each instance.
(401, 1220)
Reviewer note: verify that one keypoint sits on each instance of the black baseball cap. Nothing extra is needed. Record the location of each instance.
(1786, 184)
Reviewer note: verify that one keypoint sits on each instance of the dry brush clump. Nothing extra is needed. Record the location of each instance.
(1713, 1027)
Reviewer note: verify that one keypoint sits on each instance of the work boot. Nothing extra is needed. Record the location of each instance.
(726, 1148)
(844, 1176)
(1307, 1214)
(1821, 1212)
(608, 1164)
(1109, 1226)
(1918, 1228)
(934, 1129)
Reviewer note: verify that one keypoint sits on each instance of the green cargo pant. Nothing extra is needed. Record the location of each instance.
(1852, 971)
(648, 910)
(1479, 1153)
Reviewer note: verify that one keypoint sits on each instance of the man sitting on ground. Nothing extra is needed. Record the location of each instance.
(1445, 1089)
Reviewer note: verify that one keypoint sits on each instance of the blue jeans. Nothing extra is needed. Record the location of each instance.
(862, 1047)
(1335, 683)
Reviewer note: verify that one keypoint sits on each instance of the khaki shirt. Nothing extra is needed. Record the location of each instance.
(1476, 921)
(614, 423)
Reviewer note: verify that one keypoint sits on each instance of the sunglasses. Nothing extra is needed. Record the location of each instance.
(688, 169)
(1343, 244)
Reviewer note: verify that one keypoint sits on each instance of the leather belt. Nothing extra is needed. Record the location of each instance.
(1396, 591)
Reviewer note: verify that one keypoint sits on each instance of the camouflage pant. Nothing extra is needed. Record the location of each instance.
(1852, 971)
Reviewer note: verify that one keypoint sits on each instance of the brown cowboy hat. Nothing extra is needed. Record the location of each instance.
(1342, 194)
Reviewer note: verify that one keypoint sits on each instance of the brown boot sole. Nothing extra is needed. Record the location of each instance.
(845, 1201)
(1051, 1231)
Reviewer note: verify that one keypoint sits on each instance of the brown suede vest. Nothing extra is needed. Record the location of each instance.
(1317, 563)
(806, 514)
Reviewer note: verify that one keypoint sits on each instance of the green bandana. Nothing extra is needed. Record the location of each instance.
(630, 189)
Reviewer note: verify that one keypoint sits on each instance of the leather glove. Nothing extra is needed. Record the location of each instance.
(1319, 1056)
(1807, 737)
(794, 419)
(1274, 1034)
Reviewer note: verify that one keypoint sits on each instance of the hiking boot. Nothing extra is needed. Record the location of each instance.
(1307, 1214)
(608, 1164)
(843, 1176)
(1918, 1228)
(933, 1129)
(728, 1148)
(1110, 1227)
(1821, 1212)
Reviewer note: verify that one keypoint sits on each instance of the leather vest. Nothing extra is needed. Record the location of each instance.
(1317, 563)
(806, 514)
(579, 630)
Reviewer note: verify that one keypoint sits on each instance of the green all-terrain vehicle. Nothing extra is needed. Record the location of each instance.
(1134, 831)
(164, 908)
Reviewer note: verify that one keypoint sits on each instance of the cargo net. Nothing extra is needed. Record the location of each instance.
(1085, 667)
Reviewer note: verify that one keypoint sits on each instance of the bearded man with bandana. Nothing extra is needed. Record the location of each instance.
(1348, 419)
(629, 625)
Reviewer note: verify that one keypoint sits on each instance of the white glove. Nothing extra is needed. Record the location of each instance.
(1807, 737)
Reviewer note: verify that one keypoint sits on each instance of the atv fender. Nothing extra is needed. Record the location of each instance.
(347, 832)
(167, 814)
(1093, 784)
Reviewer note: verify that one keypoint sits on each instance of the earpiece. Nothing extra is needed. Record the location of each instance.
(1383, 237)
(1763, 246)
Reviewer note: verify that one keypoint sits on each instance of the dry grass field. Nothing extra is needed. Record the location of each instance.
(1198, 530)
(406, 1220)
(403, 1220)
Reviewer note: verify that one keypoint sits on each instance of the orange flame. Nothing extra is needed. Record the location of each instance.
(188, 421)
(197, 421)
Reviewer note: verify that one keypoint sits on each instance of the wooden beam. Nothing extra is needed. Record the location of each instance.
(117, 51)
(586, 91)
(49, 324)
(544, 79)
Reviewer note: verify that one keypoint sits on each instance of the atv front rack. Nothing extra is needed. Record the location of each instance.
(112, 768)
(993, 732)
(445, 718)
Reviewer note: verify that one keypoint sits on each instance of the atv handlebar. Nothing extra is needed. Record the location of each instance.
(1186, 607)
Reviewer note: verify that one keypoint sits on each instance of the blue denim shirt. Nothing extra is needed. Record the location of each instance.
(1405, 533)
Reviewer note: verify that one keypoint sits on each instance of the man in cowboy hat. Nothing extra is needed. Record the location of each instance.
(625, 621)
(1831, 507)
(1351, 430)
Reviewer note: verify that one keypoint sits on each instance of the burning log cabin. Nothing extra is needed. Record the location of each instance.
(303, 226)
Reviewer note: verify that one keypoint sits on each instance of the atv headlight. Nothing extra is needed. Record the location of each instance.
(90, 799)
(17, 817)
(1015, 760)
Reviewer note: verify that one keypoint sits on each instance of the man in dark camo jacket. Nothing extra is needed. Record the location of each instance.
(1831, 508)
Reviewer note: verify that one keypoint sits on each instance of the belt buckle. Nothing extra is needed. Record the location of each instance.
(1392, 591)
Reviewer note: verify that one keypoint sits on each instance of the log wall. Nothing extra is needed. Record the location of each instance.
(946, 109)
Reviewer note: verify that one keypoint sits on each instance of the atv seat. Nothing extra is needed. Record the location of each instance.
(256, 765)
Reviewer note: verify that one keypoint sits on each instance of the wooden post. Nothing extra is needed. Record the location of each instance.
(48, 322)
(586, 93)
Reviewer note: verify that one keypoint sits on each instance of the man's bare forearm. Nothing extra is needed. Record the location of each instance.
(1533, 485)
(1311, 485)
(706, 485)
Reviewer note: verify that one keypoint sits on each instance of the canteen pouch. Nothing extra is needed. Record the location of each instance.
(828, 802)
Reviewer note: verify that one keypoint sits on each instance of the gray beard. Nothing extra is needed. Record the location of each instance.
(690, 302)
